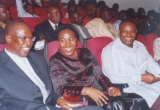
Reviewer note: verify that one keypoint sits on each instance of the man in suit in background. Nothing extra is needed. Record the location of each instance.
(148, 25)
(48, 27)
(24, 80)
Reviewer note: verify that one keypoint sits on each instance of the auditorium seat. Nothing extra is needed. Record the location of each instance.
(63, 12)
(82, 12)
(141, 39)
(149, 42)
(40, 12)
(13, 12)
(52, 47)
(2, 46)
(46, 4)
(32, 22)
(61, 5)
(86, 20)
(95, 45)
(65, 21)
(9, 3)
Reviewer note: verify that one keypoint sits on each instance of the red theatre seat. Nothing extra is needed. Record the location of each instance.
(2, 46)
(86, 20)
(32, 22)
(63, 12)
(95, 45)
(82, 12)
(149, 42)
(141, 39)
(46, 4)
(52, 47)
(13, 12)
(9, 3)
(61, 5)
(66, 21)
(40, 12)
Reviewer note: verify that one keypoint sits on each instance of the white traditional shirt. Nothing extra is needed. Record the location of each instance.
(123, 64)
(22, 12)
(116, 24)
(156, 48)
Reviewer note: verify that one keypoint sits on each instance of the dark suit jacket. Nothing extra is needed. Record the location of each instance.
(17, 91)
(2, 36)
(45, 29)
(143, 28)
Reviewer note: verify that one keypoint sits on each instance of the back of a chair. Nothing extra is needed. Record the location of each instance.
(61, 5)
(9, 3)
(52, 47)
(86, 20)
(13, 12)
(82, 12)
(40, 11)
(46, 4)
(32, 22)
(141, 39)
(2, 46)
(149, 42)
(66, 21)
(63, 12)
(95, 45)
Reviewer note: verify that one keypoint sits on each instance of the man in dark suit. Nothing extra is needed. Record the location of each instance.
(148, 25)
(24, 80)
(48, 27)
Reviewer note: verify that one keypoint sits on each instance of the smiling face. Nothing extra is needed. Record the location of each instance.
(127, 33)
(67, 42)
(19, 40)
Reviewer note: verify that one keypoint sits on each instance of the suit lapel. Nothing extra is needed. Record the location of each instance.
(10, 64)
(36, 68)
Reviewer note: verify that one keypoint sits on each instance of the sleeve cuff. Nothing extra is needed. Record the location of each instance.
(136, 79)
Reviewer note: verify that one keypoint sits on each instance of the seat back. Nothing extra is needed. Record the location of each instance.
(85, 21)
(63, 12)
(46, 4)
(141, 39)
(2, 46)
(95, 45)
(149, 42)
(9, 3)
(13, 12)
(40, 12)
(52, 47)
(61, 5)
(32, 22)
(82, 12)
(66, 21)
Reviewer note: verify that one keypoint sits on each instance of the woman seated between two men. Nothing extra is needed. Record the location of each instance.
(75, 72)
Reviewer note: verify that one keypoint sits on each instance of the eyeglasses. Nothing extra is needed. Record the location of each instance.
(24, 38)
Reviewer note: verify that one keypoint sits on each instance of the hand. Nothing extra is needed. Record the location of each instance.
(96, 95)
(115, 92)
(67, 104)
(149, 78)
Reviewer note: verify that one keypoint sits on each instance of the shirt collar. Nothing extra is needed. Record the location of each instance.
(52, 24)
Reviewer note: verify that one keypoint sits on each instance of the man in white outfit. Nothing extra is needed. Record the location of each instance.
(26, 11)
(126, 60)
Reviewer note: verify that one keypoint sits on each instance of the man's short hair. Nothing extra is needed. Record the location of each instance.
(49, 7)
(121, 12)
(151, 13)
(11, 24)
(127, 20)
(103, 9)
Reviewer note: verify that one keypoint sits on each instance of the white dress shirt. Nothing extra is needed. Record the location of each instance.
(25, 66)
(22, 12)
(123, 64)
(53, 25)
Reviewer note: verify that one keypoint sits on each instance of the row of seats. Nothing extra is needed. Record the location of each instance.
(148, 41)
(52, 47)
